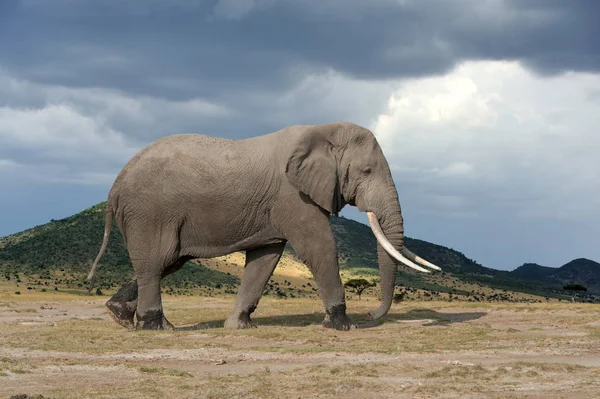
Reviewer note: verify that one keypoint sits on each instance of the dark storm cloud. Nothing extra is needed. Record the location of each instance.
(184, 48)
(549, 36)
(84, 84)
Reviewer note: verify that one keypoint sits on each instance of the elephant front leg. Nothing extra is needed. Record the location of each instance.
(260, 264)
(315, 244)
(332, 294)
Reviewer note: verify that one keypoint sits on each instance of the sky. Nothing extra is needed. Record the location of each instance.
(488, 111)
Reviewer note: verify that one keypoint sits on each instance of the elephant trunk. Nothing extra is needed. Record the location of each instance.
(388, 227)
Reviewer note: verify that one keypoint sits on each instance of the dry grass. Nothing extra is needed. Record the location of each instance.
(65, 346)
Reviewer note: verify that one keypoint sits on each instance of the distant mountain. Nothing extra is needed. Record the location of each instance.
(533, 271)
(69, 246)
(579, 271)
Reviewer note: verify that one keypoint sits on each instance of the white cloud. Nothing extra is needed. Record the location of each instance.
(106, 103)
(495, 132)
(233, 9)
(457, 169)
(7, 164)
(238, 9)
(56, 143)
(323, 97)
(83, 136)
(92, 7)
(59, 132)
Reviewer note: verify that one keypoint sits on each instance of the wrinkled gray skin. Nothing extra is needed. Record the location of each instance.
(194, 196)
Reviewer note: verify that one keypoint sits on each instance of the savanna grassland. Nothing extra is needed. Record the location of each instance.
(64, 345)
(466, 332)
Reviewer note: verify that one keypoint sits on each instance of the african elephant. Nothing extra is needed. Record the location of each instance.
(193, 196)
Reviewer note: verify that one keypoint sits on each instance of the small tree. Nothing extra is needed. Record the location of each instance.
(359, 285)
(573, 289)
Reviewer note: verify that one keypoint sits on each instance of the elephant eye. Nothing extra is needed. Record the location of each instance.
(367, 171)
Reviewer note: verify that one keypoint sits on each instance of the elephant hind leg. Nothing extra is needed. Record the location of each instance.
(123, 304)
(154, 251)
(260, 264)
(149, 313)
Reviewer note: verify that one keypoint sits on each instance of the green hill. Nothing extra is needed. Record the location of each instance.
(70, 245)
(579, 271)
(63, 251)
(533, 272)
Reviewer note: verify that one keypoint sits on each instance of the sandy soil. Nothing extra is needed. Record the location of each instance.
(66, 346)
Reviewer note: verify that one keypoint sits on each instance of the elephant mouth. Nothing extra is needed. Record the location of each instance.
(406, 257)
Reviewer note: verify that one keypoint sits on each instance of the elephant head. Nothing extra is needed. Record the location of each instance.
(342, 163)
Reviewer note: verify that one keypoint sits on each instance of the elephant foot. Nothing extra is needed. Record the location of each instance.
(239, 321)
(342, 324)
(336, 318)
(123, 304)
(122, 313)
(153, 320)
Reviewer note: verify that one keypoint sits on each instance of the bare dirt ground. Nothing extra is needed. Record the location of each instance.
(66, 346)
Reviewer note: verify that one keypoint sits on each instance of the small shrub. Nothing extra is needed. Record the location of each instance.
(398, 298)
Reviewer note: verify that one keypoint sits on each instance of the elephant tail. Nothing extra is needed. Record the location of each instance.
(91, 278)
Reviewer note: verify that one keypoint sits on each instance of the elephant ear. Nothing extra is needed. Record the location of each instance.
(313, 169)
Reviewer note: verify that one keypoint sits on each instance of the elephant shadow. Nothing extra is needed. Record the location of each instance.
(424, 317)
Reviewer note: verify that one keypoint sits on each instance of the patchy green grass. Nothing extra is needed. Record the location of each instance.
(25, 310)
(164, 371)
(19, 371)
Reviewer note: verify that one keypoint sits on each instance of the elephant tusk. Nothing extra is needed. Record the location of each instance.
(416, 258)
(387, 245)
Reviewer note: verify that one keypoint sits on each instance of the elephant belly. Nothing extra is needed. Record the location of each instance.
(203, 240)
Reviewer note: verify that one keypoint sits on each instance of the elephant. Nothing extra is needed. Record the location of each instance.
(188, 196)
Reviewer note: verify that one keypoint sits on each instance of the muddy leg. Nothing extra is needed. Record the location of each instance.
(149, 306)
(123, 304)
(320, 255)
